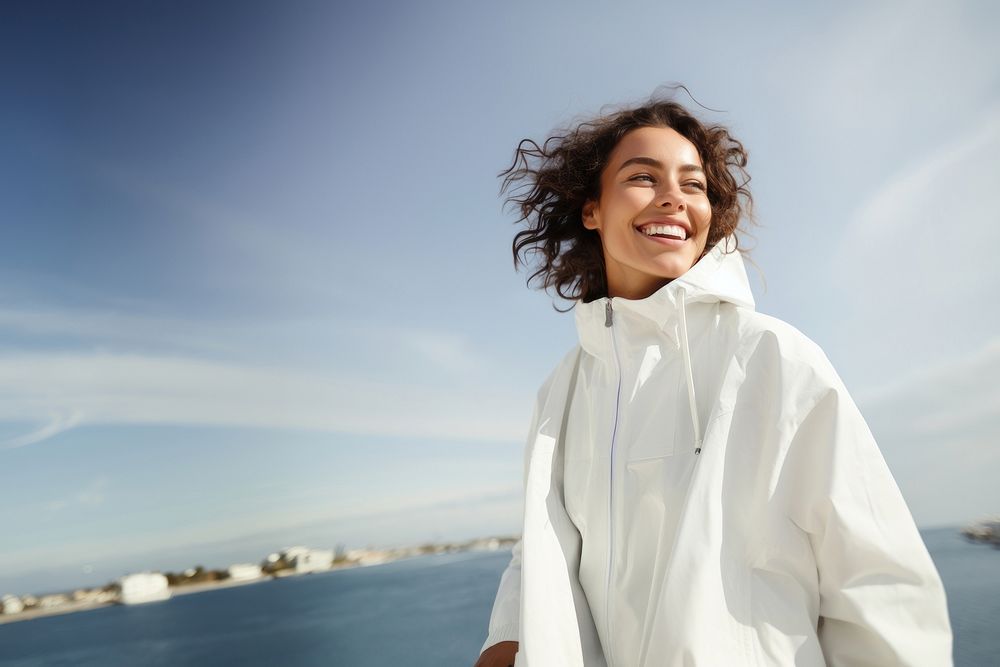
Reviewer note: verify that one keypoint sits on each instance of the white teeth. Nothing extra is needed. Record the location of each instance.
(673, 231)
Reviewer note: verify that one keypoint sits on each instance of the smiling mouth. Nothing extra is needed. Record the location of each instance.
(674, 232)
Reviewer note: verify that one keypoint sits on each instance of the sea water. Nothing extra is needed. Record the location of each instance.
(422, 612)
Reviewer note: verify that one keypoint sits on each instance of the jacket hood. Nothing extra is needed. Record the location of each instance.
(719, 276)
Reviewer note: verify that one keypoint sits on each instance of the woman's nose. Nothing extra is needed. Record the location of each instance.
(670, 197)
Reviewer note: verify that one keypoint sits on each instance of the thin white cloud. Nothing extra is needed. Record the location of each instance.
(136, 330)
(935, 216)
(57, 423)
(105, 388)
(120, 367)
(916, 268)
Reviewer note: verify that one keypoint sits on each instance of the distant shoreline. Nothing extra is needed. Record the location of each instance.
(188, 589)
(73, 607)
(69, 608)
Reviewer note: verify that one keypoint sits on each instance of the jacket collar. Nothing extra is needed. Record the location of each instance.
(719, 276)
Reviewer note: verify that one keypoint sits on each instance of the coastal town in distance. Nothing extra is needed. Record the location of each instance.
(143, 587)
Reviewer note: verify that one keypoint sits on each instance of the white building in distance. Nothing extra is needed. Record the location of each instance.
(314, 560)
(12, 604)
(244, 572)
(304, 559)
(144, 587)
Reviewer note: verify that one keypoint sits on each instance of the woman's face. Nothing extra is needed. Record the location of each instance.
(653, 213)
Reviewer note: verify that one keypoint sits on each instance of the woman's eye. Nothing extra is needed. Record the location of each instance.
(642, 177)
(696, 184)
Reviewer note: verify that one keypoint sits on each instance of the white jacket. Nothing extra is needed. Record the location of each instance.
(785, 541)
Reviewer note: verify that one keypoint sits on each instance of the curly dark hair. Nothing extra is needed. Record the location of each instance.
(550, 183)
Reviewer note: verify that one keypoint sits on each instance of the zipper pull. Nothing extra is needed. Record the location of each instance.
(607, 313)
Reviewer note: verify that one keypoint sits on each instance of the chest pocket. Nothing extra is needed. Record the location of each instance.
(655, 421)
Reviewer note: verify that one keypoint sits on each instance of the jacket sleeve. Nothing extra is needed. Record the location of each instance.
(881, 599)
(507, 606)
(506, 615)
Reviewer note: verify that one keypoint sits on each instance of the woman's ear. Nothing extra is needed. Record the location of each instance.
(589, 215)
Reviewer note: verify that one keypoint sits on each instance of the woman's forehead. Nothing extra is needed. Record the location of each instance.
(663, 144)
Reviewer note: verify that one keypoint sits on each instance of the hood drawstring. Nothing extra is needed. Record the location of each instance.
(686, 349)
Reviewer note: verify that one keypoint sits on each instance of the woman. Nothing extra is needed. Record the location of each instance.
(700, 488)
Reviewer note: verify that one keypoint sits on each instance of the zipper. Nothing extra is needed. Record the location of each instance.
(609, 322)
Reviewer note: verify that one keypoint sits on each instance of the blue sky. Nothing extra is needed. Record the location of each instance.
(256, 285)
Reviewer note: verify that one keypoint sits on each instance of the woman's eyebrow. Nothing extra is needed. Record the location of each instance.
(653, 162)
